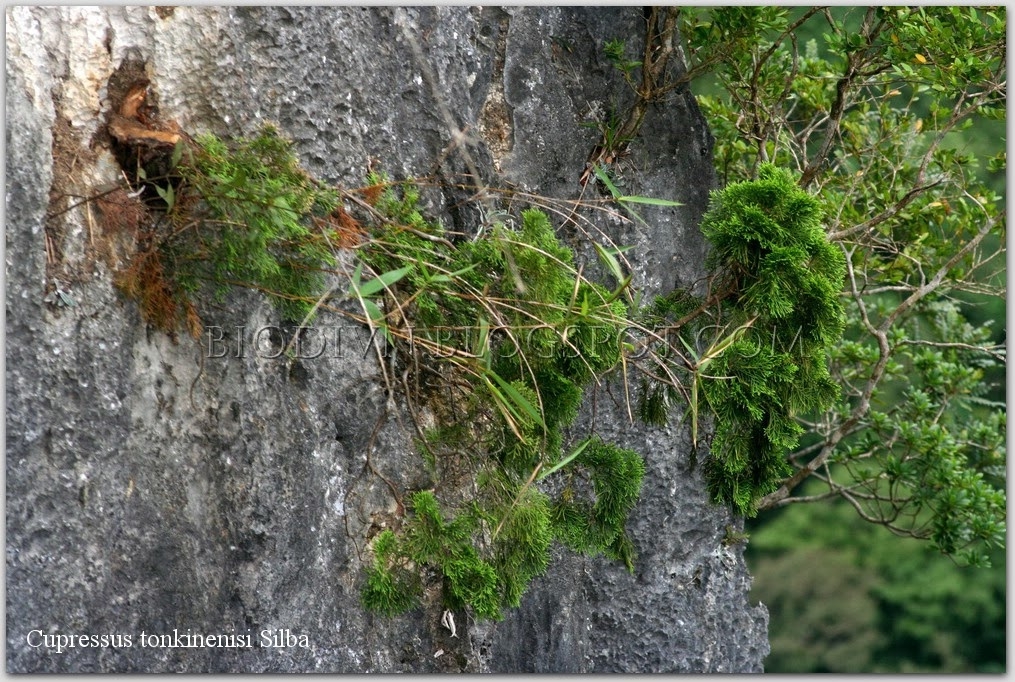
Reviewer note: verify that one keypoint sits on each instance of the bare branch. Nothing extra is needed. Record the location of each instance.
(996, 351)
(854, 63)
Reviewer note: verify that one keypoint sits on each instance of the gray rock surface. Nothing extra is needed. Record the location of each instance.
(153, 488)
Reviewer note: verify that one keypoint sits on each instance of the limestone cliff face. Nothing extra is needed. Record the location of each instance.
(153, 487)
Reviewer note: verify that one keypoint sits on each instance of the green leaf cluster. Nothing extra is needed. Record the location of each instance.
(614, 51)
(390, 589)
(430, 540)
(934, 444)
(591, 528)
(891, 115)
(783, 279)
(242, 213)
(521, 551)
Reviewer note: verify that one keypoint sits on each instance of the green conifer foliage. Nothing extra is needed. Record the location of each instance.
(430, 540)
(242, 213)
(390, 589)
(522, 550)
(780, 280)
(598, 527)
(257, 229)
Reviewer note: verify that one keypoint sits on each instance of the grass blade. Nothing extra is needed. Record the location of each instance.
(519, 400)
(567, 460)
(651, 201)
(605, 179)
(384, 281)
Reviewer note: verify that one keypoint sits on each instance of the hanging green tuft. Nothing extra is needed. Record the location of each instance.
(390, 589)
(780, 279)
(598, 527)
(262, 217)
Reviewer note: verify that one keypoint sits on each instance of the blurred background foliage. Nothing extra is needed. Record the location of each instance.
(846, 596)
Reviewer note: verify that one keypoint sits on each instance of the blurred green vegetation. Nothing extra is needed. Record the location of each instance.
(846, 596)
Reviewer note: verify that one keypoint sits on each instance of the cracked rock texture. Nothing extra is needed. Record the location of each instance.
(208, 488)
